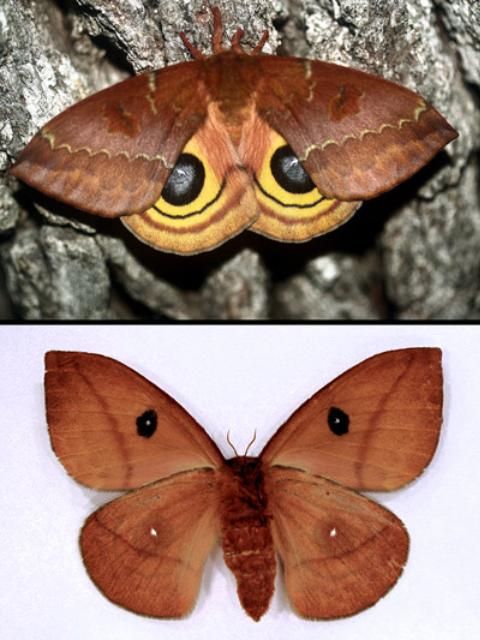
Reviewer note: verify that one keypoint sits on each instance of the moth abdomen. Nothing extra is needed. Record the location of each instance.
(245, 531)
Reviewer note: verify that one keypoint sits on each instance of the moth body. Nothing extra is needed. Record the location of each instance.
(245, 533)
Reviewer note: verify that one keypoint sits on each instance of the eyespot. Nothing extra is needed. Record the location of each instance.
(147, 423)
(282, 182)
(289, 172)
(338, 421)
(192, 188)
(185, 182)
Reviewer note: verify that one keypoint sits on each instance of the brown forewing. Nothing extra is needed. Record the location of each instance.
(93, 404)
(357, 135)
(394, 405)
(111, 153)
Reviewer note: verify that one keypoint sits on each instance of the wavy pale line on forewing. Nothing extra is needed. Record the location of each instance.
(50, 138)
(421, 108)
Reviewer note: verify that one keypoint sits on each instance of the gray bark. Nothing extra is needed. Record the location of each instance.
(413, 253)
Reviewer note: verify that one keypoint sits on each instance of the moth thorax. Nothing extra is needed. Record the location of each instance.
(237, 118)
(248, 474)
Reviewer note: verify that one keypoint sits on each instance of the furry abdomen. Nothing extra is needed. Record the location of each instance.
(246, 538)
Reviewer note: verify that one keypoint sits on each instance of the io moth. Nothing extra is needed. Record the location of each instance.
(190, 155)
(374, 428)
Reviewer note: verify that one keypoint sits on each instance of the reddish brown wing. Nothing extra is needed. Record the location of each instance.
(340, 551)
(111, 153)
(113, 429)
(375, 427)
(356, 134)
(146, 551)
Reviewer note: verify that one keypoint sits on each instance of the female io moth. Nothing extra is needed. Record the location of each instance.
(373, 428)
(191, 155)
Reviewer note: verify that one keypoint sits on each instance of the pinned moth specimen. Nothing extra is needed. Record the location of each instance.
(192, 154)
(374, 428)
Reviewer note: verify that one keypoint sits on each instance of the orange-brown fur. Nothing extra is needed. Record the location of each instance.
(246, 538)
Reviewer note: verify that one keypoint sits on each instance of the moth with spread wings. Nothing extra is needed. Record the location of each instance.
(375, 427)
(191, 155)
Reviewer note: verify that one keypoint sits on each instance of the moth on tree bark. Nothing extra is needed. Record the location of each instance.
(191, 155)
(280, 301)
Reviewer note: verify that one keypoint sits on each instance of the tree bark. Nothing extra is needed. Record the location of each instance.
(413, 253)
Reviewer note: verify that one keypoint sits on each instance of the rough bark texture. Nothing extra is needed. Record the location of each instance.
(413, 253)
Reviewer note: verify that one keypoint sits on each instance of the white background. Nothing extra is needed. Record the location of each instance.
(240, 378)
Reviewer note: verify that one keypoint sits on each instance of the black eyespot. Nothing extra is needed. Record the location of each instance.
(185, 181)
(338, 421)
(147, 423)
(288, 171)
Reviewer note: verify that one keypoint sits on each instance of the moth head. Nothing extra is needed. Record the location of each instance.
(245, 455)
(217, 37)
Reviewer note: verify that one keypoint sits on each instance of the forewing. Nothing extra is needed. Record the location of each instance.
(113, 429)
(146, 550)
(375, 427)
(111, 153)
(356, 134)
(340, 551)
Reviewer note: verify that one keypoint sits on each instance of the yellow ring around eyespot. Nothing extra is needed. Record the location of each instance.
(270, 187)
(210, 192)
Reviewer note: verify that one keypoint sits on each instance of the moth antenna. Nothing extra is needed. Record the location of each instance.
(251, 442)
(236, 40)
(261, 43)
(231, 444)
(195, 53)
(217, 30)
